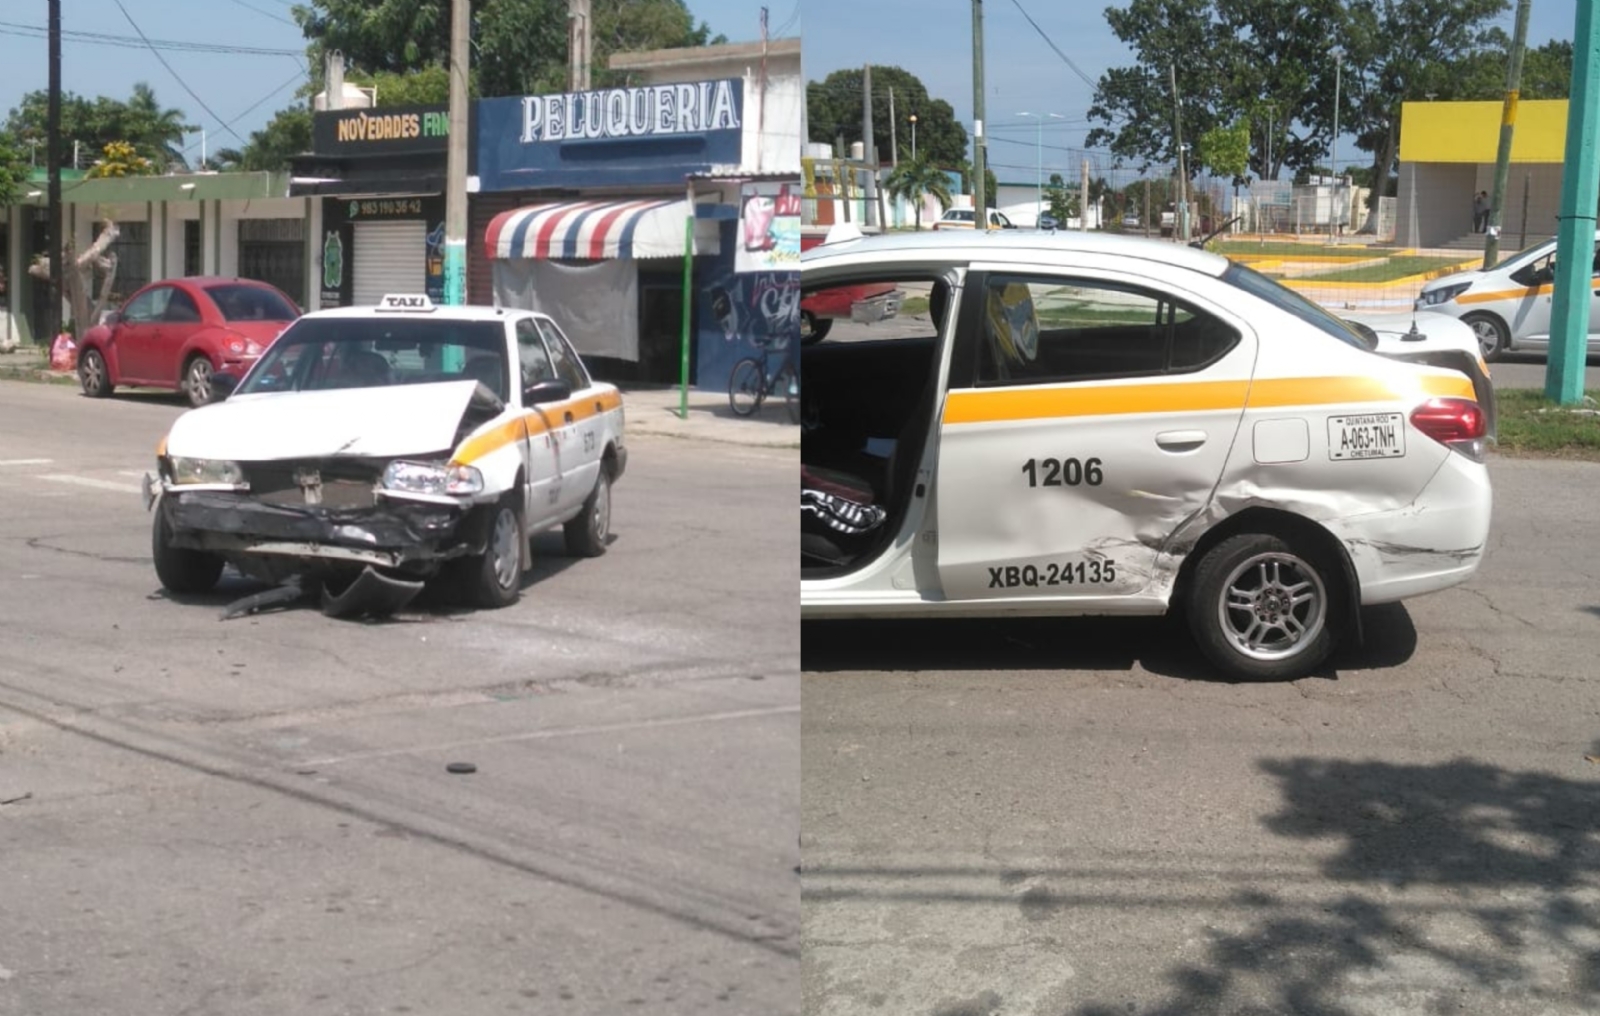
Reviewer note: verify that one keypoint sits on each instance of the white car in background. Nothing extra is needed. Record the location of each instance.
(1508, 306)
(1095, 424)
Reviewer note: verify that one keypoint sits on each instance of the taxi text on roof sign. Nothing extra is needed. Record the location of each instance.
(407, 302)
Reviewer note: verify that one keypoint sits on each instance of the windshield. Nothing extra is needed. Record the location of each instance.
(319, 354)
(251, 303)
(1287, 300)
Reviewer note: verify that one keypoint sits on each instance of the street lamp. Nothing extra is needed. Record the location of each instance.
(913, 137)
(1333, 145)
(1039, 190)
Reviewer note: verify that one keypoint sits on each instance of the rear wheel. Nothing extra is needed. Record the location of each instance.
(181, 570)
(1259, 608)
(197, 380)
(744, 387)
(92, 374)
(586, 533)
(813, 328)
(1491, 332)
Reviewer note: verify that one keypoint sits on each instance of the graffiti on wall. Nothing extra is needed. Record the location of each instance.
(742, 313)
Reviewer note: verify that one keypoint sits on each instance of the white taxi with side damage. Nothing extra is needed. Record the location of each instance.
(1094, 424)
(374, 448)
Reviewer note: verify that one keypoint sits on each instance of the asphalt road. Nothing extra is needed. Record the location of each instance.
(1522, 370)
(1049, 818)
(254, 816)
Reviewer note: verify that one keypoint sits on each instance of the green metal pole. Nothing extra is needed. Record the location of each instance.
(1508, 123)
(688, 287)
(1580, 180)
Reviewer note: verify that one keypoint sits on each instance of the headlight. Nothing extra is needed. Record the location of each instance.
(219, 471)
(1444, 294)
(432, 478)
(244, 347)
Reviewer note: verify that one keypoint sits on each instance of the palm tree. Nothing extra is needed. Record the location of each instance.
(915, 178)
(157, 133)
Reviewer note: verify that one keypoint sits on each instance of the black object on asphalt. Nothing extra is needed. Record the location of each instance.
(461, 768)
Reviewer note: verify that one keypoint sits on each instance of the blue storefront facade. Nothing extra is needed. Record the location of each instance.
(587, 205)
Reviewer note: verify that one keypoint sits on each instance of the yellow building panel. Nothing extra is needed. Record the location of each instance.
(1470, 131)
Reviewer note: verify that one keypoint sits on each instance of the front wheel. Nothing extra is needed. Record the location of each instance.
(1492, 336)
(745, 388)
(813, 328)
(494, 579)
(587, 532)
(181, 570)
(1259, 608)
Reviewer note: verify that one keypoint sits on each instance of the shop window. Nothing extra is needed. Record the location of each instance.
(132, 248)
(274, 251)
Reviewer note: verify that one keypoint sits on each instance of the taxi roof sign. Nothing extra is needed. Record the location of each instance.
(413, 302)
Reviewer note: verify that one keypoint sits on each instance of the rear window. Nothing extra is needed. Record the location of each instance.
(251, 303)
(1290, 302)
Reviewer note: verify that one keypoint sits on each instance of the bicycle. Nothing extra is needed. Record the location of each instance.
(749, 385)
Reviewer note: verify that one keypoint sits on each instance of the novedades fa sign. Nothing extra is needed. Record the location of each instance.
(652, 111)
(410, 130)
(652, 134)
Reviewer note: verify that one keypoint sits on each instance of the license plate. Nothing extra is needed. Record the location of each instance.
(1374, 436)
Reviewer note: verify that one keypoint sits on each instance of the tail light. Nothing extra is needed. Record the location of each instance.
(1459, 424)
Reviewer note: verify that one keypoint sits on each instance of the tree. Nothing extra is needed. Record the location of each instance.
(519, 46)
(13, 170)
(1062, 203)
(1225, 152)
(914, 178)
(429, 86)
(269, 149)
(833, 110)
(156, 133)
(78, 278)
(119, 158)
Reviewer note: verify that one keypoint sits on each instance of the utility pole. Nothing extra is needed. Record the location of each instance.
(52, 317)
(894, 133)
(580, 29)
(1580, 180)
(869, 146)
(1183, 173)
(455, 195)
(1333, 145)
(1508, 123)
(980, 207)
(1083, 203)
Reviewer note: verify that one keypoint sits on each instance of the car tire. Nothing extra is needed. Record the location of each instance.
(813, 328)
(587, 532)
(493, 579)
(1261, 589)
(197, 380)
(93, 376)
(1493, 339)
(180, 569)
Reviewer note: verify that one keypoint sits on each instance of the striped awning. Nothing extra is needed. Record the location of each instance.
(647, 228)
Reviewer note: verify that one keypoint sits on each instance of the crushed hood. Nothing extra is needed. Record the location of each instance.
(368, 422)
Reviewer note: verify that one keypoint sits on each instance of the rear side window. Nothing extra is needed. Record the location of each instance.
(1287, 300)
(1037, 330)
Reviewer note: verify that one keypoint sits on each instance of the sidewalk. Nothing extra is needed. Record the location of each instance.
(648, 410)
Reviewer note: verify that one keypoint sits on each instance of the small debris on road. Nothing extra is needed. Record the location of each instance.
(14, 800)
(461, 768)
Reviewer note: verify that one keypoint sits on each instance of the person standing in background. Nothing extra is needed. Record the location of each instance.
(1480, 212)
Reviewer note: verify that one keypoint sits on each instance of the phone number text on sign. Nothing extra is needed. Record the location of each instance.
(1373, 436)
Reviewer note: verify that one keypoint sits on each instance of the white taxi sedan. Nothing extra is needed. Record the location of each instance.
(372, 448)
(1095, 424)
(1509, 305)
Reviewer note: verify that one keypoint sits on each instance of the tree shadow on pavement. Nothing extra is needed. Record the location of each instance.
(1454, 885)
(1161, 645)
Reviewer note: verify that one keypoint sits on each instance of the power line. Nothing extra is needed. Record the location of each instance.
(27, 31)
(182, 83)
(298, 76)
(265, 14)
(1065, 59)
(794, 16)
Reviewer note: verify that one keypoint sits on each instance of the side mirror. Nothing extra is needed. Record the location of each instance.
(222, 386)
(111, 318)
(546, 391)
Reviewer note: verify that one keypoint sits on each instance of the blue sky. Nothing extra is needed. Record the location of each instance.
(242, 90)
(933, 40)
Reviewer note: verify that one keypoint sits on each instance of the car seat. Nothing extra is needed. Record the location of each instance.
(367, 369)
(1012, 326)
(486, 371)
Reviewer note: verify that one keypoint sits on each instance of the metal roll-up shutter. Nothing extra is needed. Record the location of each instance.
(480, 269)
(390, 257)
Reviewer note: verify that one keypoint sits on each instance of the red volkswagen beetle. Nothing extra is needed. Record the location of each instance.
(176, 333)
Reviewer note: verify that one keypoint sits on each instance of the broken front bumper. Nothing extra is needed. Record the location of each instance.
(392, 534)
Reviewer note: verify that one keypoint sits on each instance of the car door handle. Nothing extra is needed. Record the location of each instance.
(1181, 440)
(569, 416)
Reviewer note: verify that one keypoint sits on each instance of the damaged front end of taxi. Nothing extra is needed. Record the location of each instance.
(364, 532)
